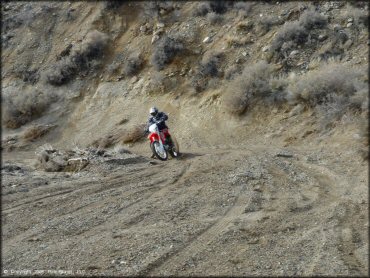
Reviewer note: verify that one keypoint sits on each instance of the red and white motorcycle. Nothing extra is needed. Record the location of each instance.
(162, 143)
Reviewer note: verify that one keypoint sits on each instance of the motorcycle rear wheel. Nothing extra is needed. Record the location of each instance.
(156, 149)
(174, 151)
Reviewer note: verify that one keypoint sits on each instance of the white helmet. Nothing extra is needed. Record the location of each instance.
(153, 111)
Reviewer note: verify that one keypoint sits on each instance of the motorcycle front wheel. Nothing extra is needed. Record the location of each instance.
(159, 152)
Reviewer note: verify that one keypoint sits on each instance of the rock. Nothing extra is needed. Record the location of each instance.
(155, 38)
(296, 110)
(265, 48)
(348, 44)
(34, 239)
(293, 53)
(322, 37)
(133, 79)
(160, 25)
(158, 32)
(284, 154)
(342, 35)
(207, 40)
(143, 28)
(76, 164)
(350, 20)
(337, 27)
(349, 24)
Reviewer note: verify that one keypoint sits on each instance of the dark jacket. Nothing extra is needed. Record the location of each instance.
(158, 119)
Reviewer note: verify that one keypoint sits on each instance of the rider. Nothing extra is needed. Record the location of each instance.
(159, 118)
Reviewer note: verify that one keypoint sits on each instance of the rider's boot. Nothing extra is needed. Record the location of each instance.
(169, 141)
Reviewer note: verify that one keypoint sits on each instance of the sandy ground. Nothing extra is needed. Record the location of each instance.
(242, 210)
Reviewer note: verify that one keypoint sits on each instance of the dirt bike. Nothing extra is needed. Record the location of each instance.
(162, 143)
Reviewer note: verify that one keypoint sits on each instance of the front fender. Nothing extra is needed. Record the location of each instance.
(153, 137)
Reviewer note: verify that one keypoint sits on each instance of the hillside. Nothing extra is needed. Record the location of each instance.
(269, 104)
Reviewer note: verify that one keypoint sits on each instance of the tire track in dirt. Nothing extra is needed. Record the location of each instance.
(332, 189)
(174, 260)
(157, 189)
(117, 180)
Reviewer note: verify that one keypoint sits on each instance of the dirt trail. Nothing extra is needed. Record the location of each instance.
(240, 211)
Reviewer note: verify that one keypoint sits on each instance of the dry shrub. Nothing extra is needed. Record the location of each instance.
(359, 16)
(79, 59)
(21, 107)
(311, 19)
(113, 4)
(152, 9)
(321, 85)
(214, 18)
(133, 64)
(29, 75)
(165, 50)
(201, 9)
(243, 8)
(61, 72)
(265, 23)
(35, 132)
(291, 32)
(296, 33)
(252, 85)
(209, 67)
(217, 7)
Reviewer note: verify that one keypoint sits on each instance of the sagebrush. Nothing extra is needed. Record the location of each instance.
(21, 107)
(319, 86)
(79, 59)
(252, 85)
(165, 50)
(133, 64)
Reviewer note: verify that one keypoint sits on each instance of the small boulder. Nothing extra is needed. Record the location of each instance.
(293, 53)
(265, 48)
(207, 40)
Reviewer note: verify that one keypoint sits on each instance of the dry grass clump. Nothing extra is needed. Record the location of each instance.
(133, 64)
(21, 107)
(252, 85)
(165, 50)
(79, 59)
